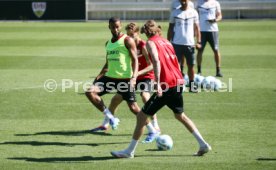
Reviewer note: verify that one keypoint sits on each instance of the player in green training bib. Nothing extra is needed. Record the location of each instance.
(119, 72)
(119, 62)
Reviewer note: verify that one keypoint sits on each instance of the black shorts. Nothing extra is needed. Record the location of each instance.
(187, 51)
(122, 86)
(144, 85)
(212, 38)
(172, 98)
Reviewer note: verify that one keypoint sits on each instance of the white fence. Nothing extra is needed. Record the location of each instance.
(159, 9)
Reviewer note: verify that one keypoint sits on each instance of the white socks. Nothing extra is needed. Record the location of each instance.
(105, 121)
(108, 114)
(155, 124)
(132, 146)
(150, 128)
(199, 138)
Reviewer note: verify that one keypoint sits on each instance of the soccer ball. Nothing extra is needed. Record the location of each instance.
(198, 79)
(218, 85)
(209, 83)
(164, 142)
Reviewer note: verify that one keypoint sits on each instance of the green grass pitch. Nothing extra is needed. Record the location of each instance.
(49, 130)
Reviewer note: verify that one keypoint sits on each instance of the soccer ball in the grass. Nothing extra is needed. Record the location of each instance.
(209, 83)
(164, 142)
(198, 79)
(218, 85)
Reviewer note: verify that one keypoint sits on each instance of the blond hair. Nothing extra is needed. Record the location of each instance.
(150, 28)
(132, 26)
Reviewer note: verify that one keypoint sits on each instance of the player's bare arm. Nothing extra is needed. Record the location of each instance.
(102, 72)
(217, 19)
(218, 16)
(170, 31)
(131, 46)
(156, 65)
(198, 35)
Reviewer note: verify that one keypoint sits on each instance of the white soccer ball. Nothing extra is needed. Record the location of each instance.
(209, 83)
(164, 142)
(198, 79)
(218, 85)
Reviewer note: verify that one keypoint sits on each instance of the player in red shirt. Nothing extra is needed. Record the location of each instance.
(169, 84)
(144, 84)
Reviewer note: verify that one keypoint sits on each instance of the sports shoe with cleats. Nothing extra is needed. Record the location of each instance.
(203, 150)
(114, 123)
(151, 137)
(99, 128)
(122, 154)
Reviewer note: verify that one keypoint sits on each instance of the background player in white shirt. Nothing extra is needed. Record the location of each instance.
(184, 26)
(209, 15)
(176, 5)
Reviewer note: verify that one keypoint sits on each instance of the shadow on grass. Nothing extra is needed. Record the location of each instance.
(163, 155)
(63, 159)
(266, 159)
(73, 133)
(154, 150)
(162, 151)
(37, 143)
(83, 158)
(67, 133)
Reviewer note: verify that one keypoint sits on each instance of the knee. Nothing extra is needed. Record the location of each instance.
(90, 94)
(142, 118)
(134, 109)
(179, 117)
(216, 51)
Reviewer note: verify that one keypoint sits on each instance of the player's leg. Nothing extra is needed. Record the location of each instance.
(180, 56)
(145, 96)
(138, 132)
(152, 106)
(152, 126)
(145, 86)
(152, 131)
(183, 65)
(200, 52)
(214, 42)
(177, 106)
(204, 147)
(190, 58)
(218, 63)
(114, 103)
(93, 96)
(95, 91)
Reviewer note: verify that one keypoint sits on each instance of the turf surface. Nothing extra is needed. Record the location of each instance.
(49, 130)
